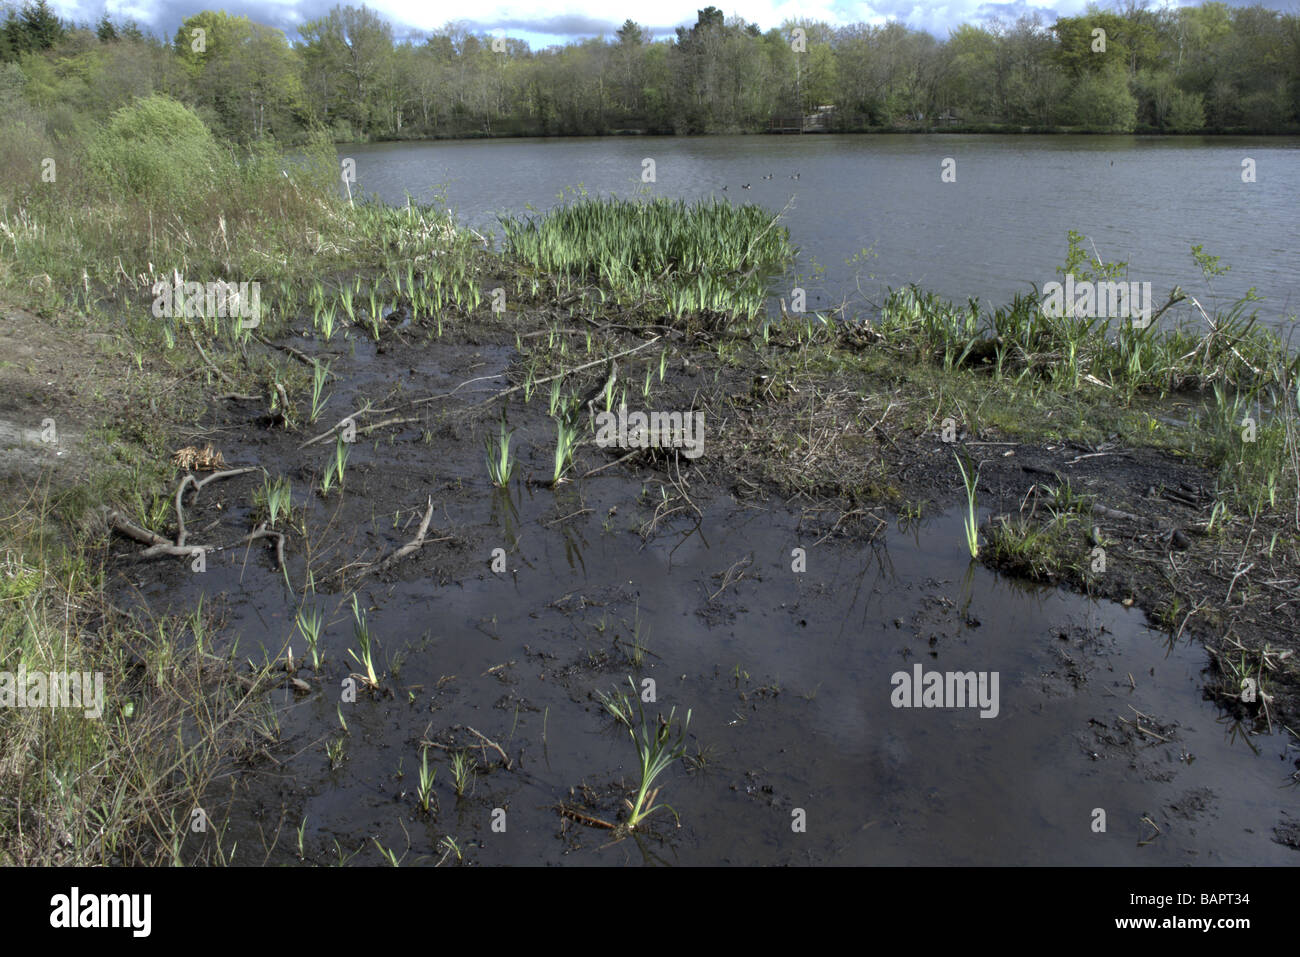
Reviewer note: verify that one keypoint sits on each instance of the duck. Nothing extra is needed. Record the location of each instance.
(744, 186)
(768, 176)
(794, 176)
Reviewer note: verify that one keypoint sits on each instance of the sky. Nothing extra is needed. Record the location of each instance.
(544, 22)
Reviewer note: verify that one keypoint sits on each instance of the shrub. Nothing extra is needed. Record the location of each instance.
(156, 149)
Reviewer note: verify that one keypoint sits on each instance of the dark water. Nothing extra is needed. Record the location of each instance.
(1001, 226)
(789, 677)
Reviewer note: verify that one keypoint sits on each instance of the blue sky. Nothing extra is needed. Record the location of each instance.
(544, 22)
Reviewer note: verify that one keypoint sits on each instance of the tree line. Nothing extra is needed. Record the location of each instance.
(1206, 68)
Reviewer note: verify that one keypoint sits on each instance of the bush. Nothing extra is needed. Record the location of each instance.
(157, 149)
(1102, 101)
(1186, 112)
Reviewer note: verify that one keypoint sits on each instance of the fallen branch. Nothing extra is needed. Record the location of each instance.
(413, 545)
(560, 375)
(195, 339)
(488, 741)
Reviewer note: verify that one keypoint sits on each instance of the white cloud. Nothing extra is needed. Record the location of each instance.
(553, 21)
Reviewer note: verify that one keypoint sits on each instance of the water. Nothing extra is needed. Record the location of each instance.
(788, 674)
(1000, 227)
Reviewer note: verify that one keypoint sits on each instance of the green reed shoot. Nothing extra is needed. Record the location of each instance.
(278, 498)
(311, 624)
(971, 481)
(462, 770)
(341, 451)
(499, 461)
(655, 745)
(319, 374)
(566, 440)
(424, 793)
(366, 659)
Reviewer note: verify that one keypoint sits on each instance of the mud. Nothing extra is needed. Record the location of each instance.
(684, 573)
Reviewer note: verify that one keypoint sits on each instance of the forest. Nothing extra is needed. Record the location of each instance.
(1210, 68)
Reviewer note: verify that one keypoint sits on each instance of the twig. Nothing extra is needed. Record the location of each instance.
(488, 741)
(411, 546)
(560, 375)
(195, 339)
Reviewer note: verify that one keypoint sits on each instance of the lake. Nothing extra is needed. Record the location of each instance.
(872, 211)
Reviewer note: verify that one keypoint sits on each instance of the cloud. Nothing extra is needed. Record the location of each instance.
(541, 22)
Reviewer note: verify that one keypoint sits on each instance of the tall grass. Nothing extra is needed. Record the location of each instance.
(118, 788)
(709, 257)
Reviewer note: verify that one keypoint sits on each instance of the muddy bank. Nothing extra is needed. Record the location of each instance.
(774, 586)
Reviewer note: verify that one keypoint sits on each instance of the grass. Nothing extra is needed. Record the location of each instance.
(970, 521)
(277, 497)
(462, 770)
(707, 258)
(424, 793)
(311, 625)
(500, 462)
(566, 441)
(366, 643)
(319, 374)
(117, 789)
(656, 748)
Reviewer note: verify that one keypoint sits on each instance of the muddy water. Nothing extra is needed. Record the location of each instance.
(787, 675)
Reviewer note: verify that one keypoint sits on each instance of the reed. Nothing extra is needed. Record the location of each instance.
(500, 462)
(970, 480)
(656, 748)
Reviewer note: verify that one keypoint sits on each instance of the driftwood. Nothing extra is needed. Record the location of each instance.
(421, 539)
(159, 545)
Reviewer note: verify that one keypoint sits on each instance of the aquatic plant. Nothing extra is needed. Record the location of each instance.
(655, 745)
(366, 659)
(566, 440)
(341, 452)
(970, 480)
(462, 770)
(311, 624)
(500, 463)
(424, 793)
(278, 498)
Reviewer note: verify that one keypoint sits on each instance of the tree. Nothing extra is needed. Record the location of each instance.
(1186, 112)
(41, 29)
(345, 53)
(244, 73)
(1102, 101)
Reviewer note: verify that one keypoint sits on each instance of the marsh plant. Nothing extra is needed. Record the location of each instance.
(566, 441)
(340, 463)
(424, 793)
(278, 498)
(364, 640)
(349, 307)
(656, 747)
(500, 464)
(462, 770)
(311, 625)
(319, 374)
(971, 481)
(707, 257)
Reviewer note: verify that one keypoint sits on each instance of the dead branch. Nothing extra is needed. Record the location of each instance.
(413, 545)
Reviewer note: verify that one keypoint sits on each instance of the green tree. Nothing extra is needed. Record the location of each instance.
(1186, 112)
